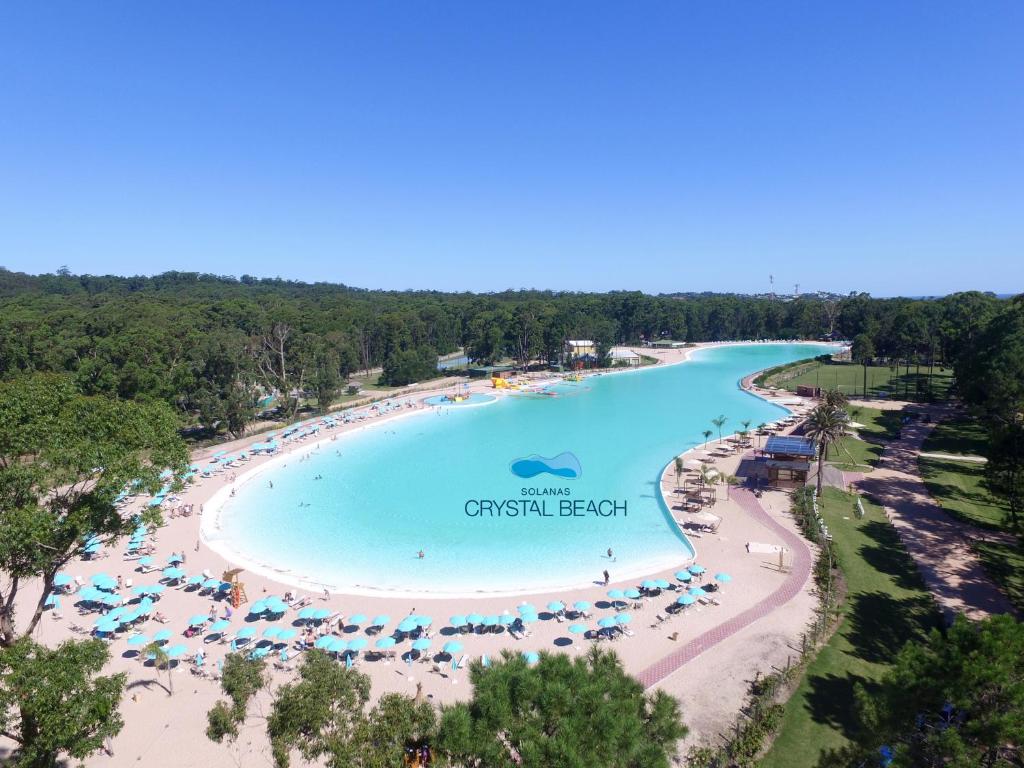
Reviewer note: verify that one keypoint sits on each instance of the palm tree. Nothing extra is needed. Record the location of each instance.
(719, 422)
(707, 436)
(679, 469)
(834, 399)
(760, 428)
(745, 425)
(161, 659)
(825, 426)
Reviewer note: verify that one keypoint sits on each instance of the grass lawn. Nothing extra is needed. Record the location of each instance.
(959, 487)
(862, 453)
(886, 605)
(882, 381)
(963, 435)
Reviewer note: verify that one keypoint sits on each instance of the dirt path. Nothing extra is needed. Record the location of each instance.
(937, 542)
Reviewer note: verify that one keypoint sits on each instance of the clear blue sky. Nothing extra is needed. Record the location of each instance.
(483, 146)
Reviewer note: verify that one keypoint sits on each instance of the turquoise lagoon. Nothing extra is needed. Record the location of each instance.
(440, 481)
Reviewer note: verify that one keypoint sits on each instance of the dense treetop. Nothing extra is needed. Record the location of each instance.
(209, 345)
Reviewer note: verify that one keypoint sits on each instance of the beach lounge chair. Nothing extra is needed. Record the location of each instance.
(515, 634)
(659, 619)
(461, 662)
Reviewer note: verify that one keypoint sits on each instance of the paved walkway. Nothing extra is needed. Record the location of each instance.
(937, 542)
(793, 584)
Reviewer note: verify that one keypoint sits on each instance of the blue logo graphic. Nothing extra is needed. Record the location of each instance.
(563, 465)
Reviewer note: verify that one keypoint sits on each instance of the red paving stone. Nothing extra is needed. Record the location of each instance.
(790, 588)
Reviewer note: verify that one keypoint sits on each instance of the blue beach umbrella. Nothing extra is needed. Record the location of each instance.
(526, 608)
(531, 657)
(529, 618)
(407, 625)
(423, 621)
(457, 621)
(385, 642)
(211, 583)
(175, 558)
(198, 620)
(422, 644)
(616, 594)
(359, 618)
(198, 579)
(147, 560)
(696, 591)
(260, 606)
(145, 606)
(337, 645)
(380, 621)
(112, 600)
(491, 621)
(219, 626)
(275, 605)
(90, 594)
(324, 642)
(103, 581)
(320, 614)
(696, 570)
(648, 584)
(581, 605)
(173, 573)
(661, 584)
(138, 640)
(632, 593)
(684, 575)
(723, 578)
(578, 629)
(686, 600)
(506, 619)
(61, 580)
(475, 618)
(51, 600)
(606, 622)
(452, 646)
(358, 644)
(271, 632)
(307, 613)
(555, 606)
(245, 633)
(106, 625)
(163, 636)
(176, 650)
(285, 635)
(623, 618)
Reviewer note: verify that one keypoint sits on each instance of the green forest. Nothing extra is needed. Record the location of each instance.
(212, 347)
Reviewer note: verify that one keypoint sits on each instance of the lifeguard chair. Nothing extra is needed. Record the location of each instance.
(237, 587)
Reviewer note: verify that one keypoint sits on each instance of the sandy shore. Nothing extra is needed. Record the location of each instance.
(163, 730)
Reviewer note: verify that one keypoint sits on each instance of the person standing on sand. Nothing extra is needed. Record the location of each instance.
(606, 578)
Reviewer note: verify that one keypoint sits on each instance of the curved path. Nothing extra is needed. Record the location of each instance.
(790, 588)
(938, 542)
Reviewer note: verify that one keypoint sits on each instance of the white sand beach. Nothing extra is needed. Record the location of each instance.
(163, 730)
